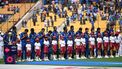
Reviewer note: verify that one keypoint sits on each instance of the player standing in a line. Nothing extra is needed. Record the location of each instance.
(55, 33)
(37, 49)
(117, 43)
(23, 38)
(41, 36)
(32, 37)
(65, 35)
(72, 34)
(120, 48)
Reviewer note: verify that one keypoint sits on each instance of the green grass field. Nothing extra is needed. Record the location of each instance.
(116, 59)
(1, 61)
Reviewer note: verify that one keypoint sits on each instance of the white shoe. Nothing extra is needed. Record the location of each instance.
(70, 58)
(106, 56)
(82, 57)
(54, 58)
(78, 58)
(31, 59)
(23, 60)
(63, 58)
(99, 57)
(46, 59)
(37, 59)
(117, 55)
(112, 56)
(19, 60)
(27, 59)
(91, 57)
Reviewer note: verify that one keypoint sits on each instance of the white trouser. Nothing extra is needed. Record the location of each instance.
(120, 50)
(1, 52)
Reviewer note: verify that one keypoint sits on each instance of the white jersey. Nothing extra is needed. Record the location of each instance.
(77, 42)
(46, 43)
(112, 39)
(54, 42)
(99, 40)
(92, 40)
(117, 39)
(62, 43)
(120, 38)
(37, 45)
(106, 39)
(83, 41)
(19, 46)
(1, 41)
(120, 49)
(70, 43)
(28, 46)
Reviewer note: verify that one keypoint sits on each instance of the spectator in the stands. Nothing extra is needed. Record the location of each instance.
(24, 23)
(51, 21)
(34, 19)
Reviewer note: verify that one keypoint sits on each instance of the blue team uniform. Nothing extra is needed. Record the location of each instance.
(87, 44)
(13, 37)
(5, 38)
(78, 33)
(55, 33)
(23, 43)
(32, 37)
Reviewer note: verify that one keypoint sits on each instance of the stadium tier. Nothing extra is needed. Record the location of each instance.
(13, 19)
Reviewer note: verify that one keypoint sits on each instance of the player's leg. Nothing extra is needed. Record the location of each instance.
(111, 49)
(106, 49)
(54, 52)
(99, 49)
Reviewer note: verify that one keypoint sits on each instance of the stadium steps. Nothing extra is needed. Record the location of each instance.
(24, 7)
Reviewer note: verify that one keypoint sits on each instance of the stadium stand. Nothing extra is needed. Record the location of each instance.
(24, 7)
